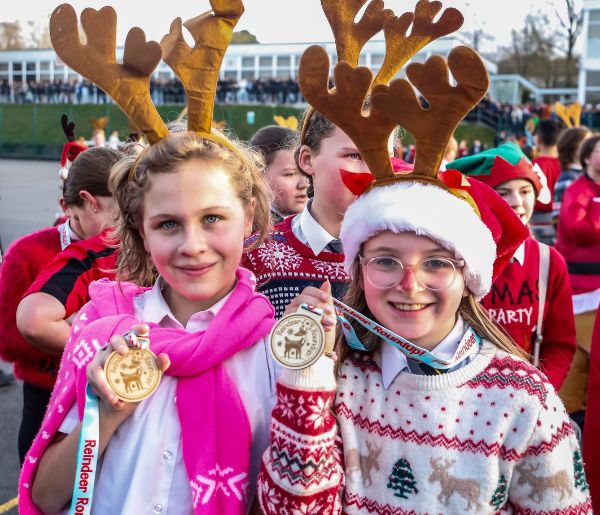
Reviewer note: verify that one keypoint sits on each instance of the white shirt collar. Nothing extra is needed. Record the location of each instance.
(520, 254)
(309, 232)
(154, 309)
(393, 361)
(72, 235)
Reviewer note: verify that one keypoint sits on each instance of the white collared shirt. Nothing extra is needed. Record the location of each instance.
(520, 254)
(309, 232)
(393, 361)
(142, 469)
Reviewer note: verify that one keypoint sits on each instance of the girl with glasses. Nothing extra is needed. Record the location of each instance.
(423, 404)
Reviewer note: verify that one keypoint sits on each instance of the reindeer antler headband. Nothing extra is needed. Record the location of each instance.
(128, 83)
(396, 104)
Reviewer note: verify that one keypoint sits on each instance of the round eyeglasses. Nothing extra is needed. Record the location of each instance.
(432, 273)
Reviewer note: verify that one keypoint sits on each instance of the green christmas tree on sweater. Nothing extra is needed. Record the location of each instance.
(579, 476)
(499, 496)
(401, 479)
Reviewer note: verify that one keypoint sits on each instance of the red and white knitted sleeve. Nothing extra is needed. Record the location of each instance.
(549, 476)
(302, 470)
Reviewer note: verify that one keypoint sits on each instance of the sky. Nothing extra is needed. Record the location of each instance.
(278, 21)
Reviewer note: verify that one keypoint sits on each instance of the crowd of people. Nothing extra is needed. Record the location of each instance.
(272, 90)
(316, 321)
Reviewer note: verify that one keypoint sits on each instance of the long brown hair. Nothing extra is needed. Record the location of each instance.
(471, 311)
(130, 179)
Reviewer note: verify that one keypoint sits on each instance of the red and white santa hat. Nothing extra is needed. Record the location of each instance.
(481, 230)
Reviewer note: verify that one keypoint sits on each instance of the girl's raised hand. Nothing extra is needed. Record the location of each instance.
(110, 404)
(320, 298)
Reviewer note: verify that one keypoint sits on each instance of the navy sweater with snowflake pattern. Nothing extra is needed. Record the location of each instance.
(284, 266)
(491, 437)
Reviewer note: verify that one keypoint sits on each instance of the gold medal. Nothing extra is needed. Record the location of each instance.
(298, 340)
(134, 376)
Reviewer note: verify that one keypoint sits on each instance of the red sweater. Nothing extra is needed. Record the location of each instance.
(551, 168)
(284, 266)
(68, 276)
(22, 263)
(591, 442)
(513, 303)
(578, 236)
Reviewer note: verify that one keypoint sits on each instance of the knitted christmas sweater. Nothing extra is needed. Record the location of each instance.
(24, 260)
(513, 303)
(284, 266)
(490, 437)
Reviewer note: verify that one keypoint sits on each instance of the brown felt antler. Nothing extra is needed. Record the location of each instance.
(344, 106)
(198, 67)
(350, 37)
(126, 83)
(400, 46)
(433, 126)
(68, 127)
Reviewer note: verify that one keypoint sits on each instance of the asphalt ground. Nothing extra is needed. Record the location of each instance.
(28, 201)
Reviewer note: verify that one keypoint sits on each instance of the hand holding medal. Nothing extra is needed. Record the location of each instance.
(307, 330)
(135, 375)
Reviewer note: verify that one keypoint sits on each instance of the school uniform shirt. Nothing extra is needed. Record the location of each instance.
(513, 303)
(298, 253)
(142, 469)
(68, 276)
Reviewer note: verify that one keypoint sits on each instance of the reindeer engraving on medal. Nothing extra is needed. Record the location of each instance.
(135, 375)
(297, 340)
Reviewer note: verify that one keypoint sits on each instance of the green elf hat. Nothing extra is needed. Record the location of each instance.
(501, 164)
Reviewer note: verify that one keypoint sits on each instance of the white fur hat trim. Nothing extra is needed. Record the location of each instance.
(429, 211)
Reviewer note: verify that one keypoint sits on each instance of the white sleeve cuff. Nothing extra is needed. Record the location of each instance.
(319, 376)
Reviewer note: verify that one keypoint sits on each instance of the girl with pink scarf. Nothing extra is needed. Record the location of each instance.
(187, 203)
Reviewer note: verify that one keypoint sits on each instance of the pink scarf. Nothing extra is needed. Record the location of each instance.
(215, 430)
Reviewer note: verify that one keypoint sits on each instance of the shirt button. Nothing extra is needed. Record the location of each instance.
(175, 400)
(158, 508)
(167, 455)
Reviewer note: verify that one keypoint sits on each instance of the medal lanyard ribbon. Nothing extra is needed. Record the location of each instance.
(89, 441)
(469, 344)
(87, 456)
(65, 235)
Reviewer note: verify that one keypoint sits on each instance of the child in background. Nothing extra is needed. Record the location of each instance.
(578, 240)
(186, 205)
(61, 288)
(85, 188)
(513, 301)
(289, 186)
(569, 143)
(547, 133)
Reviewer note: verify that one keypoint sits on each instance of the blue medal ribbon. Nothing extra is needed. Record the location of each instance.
(87, 456)
(469, 344)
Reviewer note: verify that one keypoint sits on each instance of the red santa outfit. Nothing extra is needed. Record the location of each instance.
(24, 260)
